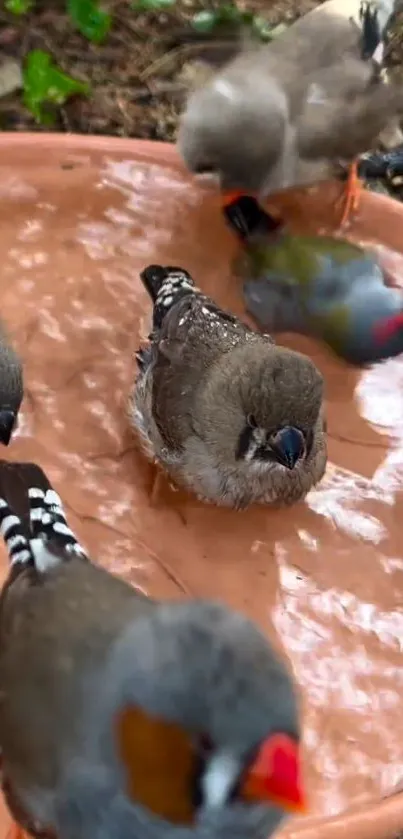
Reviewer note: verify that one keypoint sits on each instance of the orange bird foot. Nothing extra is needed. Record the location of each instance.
(162, 492)
(351, 194)
(156, 485)
(15, 832)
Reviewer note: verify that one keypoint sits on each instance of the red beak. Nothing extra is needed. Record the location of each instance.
(275, 776)
(229, 197)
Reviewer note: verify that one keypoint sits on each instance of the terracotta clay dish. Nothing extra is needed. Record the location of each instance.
(78, 219)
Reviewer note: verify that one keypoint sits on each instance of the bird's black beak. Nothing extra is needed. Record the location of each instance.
(288, 446)
(7, 423)
(245, 215)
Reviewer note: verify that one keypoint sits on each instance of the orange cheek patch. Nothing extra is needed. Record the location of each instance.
(160, 762)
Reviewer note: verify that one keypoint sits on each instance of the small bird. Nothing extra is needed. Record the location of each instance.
(229, 415)
(299, 109)
(127, 717)
(11, 388)
(315, 285)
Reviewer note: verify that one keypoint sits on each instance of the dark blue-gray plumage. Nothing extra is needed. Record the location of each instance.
(328, 288)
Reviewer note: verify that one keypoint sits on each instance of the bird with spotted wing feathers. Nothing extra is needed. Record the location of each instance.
(229, 415)
(127, 717)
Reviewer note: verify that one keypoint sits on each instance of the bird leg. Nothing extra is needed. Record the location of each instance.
(15, 831)
(156, 485)
(351, 193)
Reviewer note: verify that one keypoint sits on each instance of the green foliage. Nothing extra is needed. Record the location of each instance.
(264, 31)
(45, 84)
(90, 19)
(152, 5)
(19, 7)
(94, 23)
(226, 15)
(86, 15)
(229, 15)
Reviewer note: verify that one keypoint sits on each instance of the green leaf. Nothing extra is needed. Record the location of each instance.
(265, 31)
(205, 21)
(89, 19)
(229, 14)
(247, 18)
(19, 7)
(262, 28)
(152, 5)
(44, 83)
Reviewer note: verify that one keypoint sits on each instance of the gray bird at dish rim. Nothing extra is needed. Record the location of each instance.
(230, 416)
(299, 109)
(126, 717)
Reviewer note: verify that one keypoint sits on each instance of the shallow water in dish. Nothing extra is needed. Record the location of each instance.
(324, 578)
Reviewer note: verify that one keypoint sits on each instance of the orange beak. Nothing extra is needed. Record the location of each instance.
(275, 775)
(229, 197)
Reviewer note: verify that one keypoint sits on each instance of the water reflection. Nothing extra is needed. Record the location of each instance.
(327, 575)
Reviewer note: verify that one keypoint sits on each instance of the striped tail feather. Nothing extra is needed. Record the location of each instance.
(375, 17)
(371, 37)
(166, 285)
(13, 533)
(32, 520)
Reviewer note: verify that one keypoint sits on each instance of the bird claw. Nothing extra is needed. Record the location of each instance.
(143, 358)
(156, 486)
(15, 831)
(351, 195)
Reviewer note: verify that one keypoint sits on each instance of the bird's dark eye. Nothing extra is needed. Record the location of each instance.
(206, 744)
(205, 747)
(250, 419)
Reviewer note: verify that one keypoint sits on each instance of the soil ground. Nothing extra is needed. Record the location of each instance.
(140, 75)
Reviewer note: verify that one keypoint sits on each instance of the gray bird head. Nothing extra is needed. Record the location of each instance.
(236, 128)
(263, 406)
(199, 718)
(11, 389)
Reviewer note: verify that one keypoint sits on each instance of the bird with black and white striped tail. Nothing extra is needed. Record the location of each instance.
(49, 538)
(229, 415)
(126, 717)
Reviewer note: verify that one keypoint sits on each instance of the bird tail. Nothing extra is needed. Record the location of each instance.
(32, 520)
(375, 16)
(166, 285)
(245, 215)
(386, 165)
